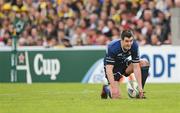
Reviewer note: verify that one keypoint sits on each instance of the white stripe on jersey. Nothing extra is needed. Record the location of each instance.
(109, 61)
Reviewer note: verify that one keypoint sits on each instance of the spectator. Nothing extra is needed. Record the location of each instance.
(115, 33)
(155, 39)
(99, 20)
(91, 37)
(79, 38)
(62, 39)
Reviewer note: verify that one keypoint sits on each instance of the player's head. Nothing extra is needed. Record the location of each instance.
(127, 39)
(126, 34)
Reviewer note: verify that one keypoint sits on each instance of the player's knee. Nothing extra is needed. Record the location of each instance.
(144, 62)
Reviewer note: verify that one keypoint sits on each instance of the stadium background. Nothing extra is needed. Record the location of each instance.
(65, 40)
(57, 23)
(88, 25)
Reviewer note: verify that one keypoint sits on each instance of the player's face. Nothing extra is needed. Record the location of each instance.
(127, 42)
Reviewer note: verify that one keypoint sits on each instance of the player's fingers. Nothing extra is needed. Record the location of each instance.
(115, 95)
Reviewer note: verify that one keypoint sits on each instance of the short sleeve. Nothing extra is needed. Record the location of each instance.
(135, 52)
(110, 56)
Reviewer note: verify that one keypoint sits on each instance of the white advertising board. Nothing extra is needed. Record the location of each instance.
(164, 65)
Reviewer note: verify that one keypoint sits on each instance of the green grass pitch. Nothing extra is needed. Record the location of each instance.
(84, 98)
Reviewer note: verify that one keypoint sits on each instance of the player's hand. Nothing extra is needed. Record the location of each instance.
(115, 93)
(141, 95)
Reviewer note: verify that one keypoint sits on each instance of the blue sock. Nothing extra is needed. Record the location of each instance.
(144, 73)
(107, 90)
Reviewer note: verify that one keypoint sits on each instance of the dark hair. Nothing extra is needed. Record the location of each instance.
(126, 33)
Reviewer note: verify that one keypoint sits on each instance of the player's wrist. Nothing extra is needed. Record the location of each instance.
(112, 85)
(141, 90)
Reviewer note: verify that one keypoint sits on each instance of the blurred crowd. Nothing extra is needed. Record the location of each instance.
(67, 23)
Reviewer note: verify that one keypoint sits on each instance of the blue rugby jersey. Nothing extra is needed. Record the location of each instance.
(120, 59)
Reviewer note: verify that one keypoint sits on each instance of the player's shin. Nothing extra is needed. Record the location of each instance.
(144, 73)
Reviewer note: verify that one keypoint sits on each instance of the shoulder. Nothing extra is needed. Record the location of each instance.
(113, 47)
(114, 44)
(135, 45)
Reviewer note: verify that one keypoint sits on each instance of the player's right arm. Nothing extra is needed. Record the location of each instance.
(113, 84)
(109, 73)
(109, 65)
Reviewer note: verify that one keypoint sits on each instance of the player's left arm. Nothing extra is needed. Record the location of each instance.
(136, 64)
(137, 73)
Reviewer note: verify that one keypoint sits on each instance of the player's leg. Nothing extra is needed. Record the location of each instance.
(131, 77)
(107, 90)
(128, 71)
(105, 93)
(144, 70)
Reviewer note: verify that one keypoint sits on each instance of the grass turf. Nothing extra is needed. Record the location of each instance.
(85, 98)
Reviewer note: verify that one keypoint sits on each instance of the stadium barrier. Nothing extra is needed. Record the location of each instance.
(83, 64)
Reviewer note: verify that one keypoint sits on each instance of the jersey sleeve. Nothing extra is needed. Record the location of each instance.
(135, 53)
(110, 56)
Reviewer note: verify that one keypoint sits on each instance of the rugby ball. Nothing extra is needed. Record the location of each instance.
(132, 89)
